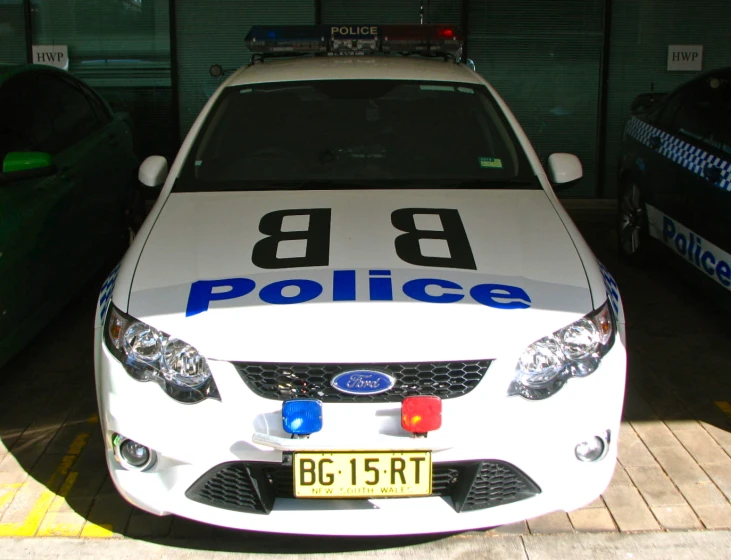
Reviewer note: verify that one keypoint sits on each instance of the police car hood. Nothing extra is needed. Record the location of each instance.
(359, 276)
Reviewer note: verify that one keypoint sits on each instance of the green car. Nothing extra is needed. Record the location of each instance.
(67, 183)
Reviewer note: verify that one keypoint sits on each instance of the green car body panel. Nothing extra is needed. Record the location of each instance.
(58, 229)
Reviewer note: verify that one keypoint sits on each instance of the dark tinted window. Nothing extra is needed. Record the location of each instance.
(18, 116)
(665, 114)
(42, 112)
(100, 109)
(723, 133)
(69, 112)
(355, 133)
(704, 105)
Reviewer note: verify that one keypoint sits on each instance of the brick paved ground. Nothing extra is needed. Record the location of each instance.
(673, 473)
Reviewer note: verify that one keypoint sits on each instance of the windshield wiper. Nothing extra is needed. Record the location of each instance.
(366, 184)
(319, 184)
(495, 184)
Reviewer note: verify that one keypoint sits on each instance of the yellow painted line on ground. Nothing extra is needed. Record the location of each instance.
(10, 491)
(725, 407)
(48, 526)
(47, 505)
(91, 530)
(77, 445)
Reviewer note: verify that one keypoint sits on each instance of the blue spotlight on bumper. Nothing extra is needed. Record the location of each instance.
(302, 417)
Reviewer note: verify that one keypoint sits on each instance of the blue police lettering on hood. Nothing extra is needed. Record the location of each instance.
(362, 382)
(380, 288)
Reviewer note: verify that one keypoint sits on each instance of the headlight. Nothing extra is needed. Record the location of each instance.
(574, 351)
(148, 354)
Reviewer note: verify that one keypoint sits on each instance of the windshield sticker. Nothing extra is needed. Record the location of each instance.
(491, 162)
(428, 87)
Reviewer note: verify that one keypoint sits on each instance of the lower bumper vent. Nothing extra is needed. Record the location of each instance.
(253, 487)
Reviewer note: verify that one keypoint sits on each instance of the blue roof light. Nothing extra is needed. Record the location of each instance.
(286, 38)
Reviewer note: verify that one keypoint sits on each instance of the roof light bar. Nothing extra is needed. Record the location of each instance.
(286, 38)
(354, 39)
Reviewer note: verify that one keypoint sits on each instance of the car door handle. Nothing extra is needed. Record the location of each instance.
(655, 142)
(712, 174)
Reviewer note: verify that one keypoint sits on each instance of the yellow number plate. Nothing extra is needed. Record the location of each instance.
(362, 474)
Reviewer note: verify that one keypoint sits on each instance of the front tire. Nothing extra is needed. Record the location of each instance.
(632, 224)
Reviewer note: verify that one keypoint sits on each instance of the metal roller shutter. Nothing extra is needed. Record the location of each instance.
(212, 32)
(390, 11)
(544, 58)
(12, 32)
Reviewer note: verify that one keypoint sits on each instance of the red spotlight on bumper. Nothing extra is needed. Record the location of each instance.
(421, 414)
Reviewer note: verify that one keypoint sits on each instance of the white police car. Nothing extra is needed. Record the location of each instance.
(358, 307)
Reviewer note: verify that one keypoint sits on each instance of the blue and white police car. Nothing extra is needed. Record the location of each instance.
(357, 306)
(675, 171)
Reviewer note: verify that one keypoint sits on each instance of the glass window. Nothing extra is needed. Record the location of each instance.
(100, 109)
(702, 107)
(43, 112)
(723, 134)
(125, 17)
(18, 114)
(355, 133)
(664, 114)
(121, 48)
(70, 116)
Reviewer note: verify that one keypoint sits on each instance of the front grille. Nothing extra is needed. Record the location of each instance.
(492, 483)
(288, 381)
(235, 486)
(253, 487)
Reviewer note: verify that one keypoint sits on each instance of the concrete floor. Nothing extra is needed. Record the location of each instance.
(673, 473)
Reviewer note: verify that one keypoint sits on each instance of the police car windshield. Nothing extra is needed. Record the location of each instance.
(355, 134)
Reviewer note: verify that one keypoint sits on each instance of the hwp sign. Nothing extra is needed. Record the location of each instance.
(685, 58)
(51, 55)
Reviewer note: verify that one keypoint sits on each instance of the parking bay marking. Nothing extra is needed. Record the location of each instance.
(40, 520)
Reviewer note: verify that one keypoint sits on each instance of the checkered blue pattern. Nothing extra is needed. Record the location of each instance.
(612, 289)
(105, 295)
(675, 149)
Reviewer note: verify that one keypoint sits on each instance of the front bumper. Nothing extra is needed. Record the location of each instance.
(538, 438)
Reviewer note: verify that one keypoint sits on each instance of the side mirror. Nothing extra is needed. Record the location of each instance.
(26, 165)
(564, 170)
(153, 171)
